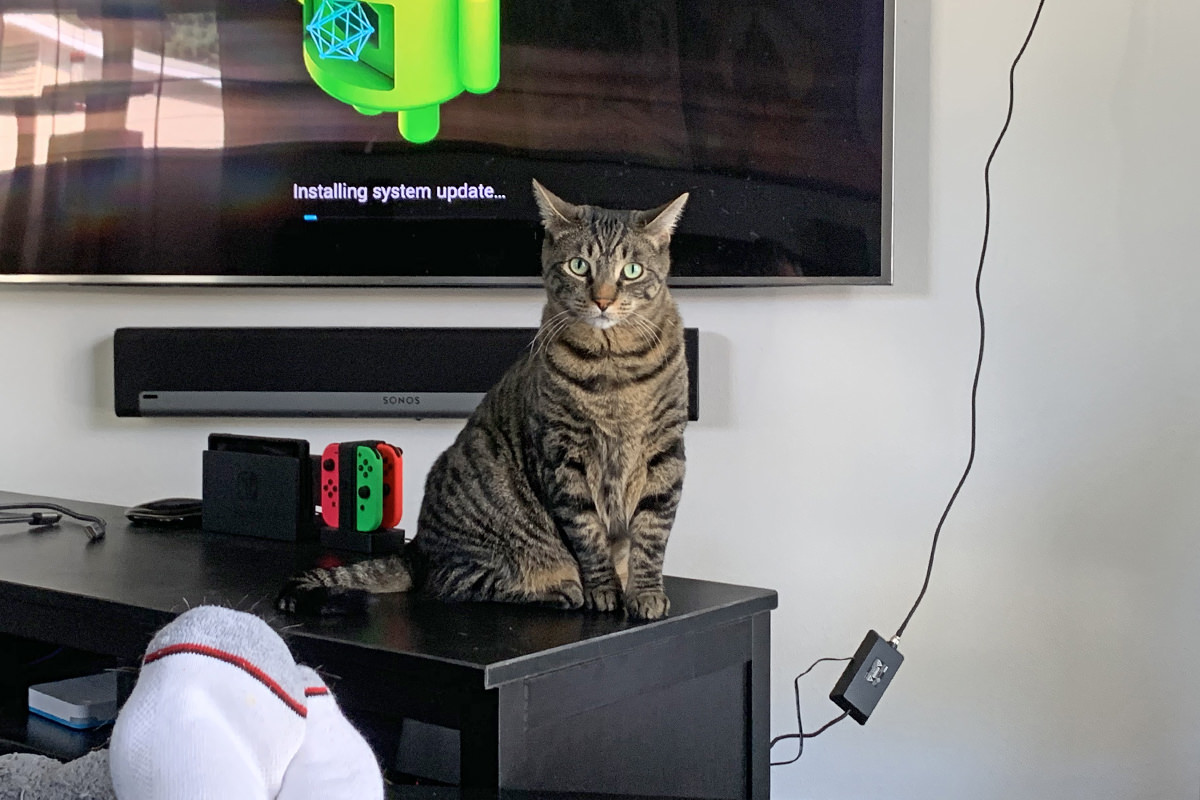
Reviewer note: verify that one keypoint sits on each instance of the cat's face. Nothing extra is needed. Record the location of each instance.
(606, 268)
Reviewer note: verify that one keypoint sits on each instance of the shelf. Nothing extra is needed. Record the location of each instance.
(25, 663)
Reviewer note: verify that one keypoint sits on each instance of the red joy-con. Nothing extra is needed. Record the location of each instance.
(329, 485)
(393, 483)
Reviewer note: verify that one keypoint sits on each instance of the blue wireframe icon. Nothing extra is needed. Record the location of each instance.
(340, 29)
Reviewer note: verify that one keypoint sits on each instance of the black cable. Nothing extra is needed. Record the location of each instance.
(987, 226)
(56, 651)
(800, 736)
(37, 518)
(93, 526)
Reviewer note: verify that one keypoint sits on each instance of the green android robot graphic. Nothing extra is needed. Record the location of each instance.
(407, 56)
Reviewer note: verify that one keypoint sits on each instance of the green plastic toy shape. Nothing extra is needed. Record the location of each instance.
(406, 56)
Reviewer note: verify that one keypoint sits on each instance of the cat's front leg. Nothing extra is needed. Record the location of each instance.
(645, 597)
(575, 513)
(649, 529)
(573, 506)
(589, 542)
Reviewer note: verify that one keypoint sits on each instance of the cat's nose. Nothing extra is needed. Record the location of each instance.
(604, 295)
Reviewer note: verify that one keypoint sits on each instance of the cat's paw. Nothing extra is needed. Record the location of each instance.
(568, 595)
(603, 598)
(647, 604)
(301, 595)
(293, 594)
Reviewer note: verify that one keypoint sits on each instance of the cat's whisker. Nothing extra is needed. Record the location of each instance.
(545, 325)
(562, 326)
(653, 329)
(638, 327)
(560, 320)
(545, 336)
(551, 333)
(649, 331)
(649, 338)
(539, 338)
(651, 324)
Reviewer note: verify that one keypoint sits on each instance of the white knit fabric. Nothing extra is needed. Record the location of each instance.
(218, 712)
(334, 761)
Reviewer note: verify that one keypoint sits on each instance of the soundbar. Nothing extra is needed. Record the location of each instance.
(322, 372)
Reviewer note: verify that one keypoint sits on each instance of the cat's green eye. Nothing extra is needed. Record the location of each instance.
(578, 266)
(633, 271)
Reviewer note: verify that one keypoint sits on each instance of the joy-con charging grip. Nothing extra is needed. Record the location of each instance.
(360, 486)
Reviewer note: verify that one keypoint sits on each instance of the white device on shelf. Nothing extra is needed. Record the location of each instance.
(86, 702)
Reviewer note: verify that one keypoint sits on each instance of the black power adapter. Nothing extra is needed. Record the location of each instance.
(866, 677)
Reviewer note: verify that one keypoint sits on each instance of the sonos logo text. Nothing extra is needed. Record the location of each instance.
(401, 400)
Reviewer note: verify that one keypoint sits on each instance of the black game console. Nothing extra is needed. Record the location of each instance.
(258, 486)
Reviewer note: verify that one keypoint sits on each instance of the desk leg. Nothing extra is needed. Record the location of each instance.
(759, 727)
(479, 744)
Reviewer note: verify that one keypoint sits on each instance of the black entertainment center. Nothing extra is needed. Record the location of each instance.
(513, 696)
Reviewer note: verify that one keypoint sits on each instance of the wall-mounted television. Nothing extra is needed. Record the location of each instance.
(393, 142)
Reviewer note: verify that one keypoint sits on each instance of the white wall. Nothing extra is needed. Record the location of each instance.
(1055, 655)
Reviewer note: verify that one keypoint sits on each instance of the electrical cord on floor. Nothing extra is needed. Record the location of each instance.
(800, 736)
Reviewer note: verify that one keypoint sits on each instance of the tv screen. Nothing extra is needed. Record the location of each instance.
(379, 142)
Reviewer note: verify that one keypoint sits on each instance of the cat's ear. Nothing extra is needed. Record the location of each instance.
(557, 214)
(659, 223)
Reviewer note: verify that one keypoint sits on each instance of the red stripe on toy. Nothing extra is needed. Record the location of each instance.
(237, 661)
(316, 691)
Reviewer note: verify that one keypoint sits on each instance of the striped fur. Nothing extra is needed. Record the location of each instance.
(562, 487)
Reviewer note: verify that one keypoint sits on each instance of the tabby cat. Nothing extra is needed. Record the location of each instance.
(562, 487)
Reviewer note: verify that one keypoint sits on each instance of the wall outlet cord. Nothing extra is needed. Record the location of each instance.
(874, 664)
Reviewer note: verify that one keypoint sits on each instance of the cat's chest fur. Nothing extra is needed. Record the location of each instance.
(614, 408)
(616, 474)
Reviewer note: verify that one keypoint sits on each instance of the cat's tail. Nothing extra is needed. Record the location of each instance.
(348, 589)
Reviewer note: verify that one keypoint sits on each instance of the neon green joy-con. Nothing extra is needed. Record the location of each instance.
(368, 489)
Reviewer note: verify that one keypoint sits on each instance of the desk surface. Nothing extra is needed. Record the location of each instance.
(142, 577)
